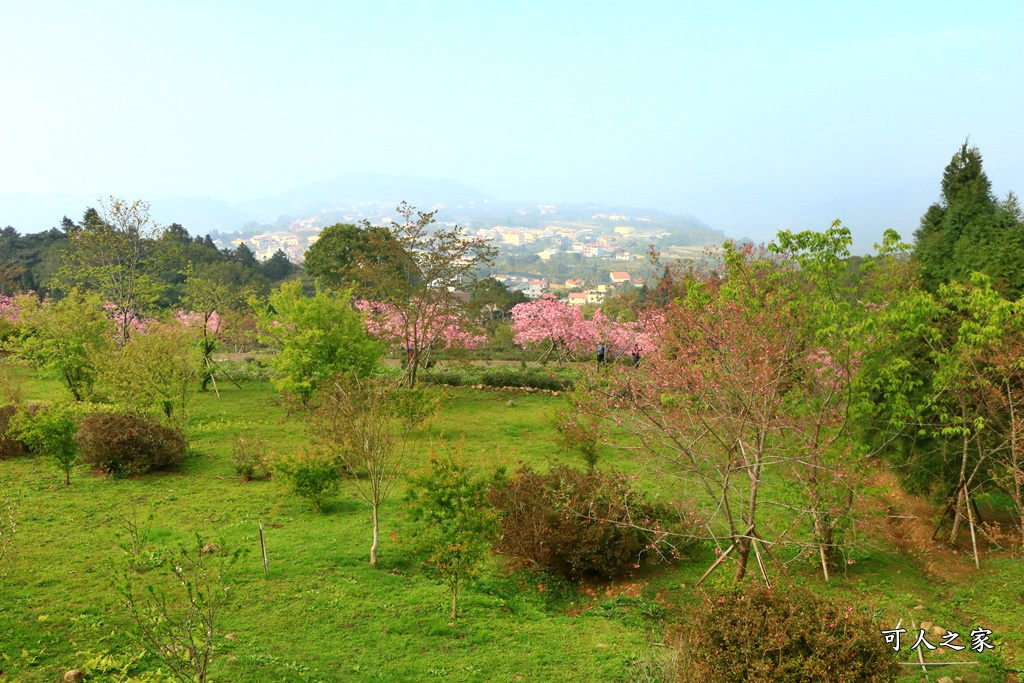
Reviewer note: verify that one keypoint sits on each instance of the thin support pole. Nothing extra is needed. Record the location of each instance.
(760, 563)
(213, 379)
(263, 547)
(721, 558)
(974, 538)
(920, 657)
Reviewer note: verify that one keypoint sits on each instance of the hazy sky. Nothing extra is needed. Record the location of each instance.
(749, 115)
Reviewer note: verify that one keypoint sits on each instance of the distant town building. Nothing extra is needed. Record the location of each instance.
(618, 277)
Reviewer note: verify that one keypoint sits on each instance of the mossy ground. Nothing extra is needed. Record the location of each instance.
(323, 614)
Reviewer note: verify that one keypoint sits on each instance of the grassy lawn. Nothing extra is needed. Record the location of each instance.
(323, 614)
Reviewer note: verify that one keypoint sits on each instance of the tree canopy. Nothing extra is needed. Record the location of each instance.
(970, 230)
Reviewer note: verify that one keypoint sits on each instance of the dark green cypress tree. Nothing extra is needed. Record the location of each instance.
(968, 230)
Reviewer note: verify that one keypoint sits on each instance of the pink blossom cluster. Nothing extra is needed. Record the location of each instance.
(133, 321)
(429, 326)
(548, 320)
(8, 308)
(209, 322)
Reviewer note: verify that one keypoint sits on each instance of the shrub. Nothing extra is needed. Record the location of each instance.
(448, 377)
(251, 457)
(457, 523)
(498, 377)
(519, 378)
(252, 369)
(580, 434)
(317, 337)
(10, 445)
(580, 523)
(51, 432)
(123, 444)
(761, 636)
(311, 475)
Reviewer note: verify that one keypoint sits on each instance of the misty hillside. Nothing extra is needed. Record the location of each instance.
(355, 194)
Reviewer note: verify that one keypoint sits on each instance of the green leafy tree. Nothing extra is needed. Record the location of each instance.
(30, 260)
(490, 299)
(414, 267)
(64, 339)
(317, 338)
(214, 303)
(111, 253)
(243, 254)
(50, 432)
(457, 524)
(313, 476)
(350, 256)
(156, 371)
(943, 380)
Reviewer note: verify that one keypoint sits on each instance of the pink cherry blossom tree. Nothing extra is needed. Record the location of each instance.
(432, 327)
(565, 331)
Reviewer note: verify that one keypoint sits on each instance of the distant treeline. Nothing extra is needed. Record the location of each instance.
(30, 262)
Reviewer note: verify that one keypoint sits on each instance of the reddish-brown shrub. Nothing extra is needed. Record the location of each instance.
(123, 444)
(782, 636)
(582, 523)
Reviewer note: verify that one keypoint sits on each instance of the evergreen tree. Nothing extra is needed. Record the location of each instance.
(968, 230)
(243, 254)
(277, 267)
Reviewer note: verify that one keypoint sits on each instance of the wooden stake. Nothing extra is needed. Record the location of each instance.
(977, 513)
(757, 554)
(974, 539)
(263, 547)
(213, 379)
(721, 558)
(920, 657)
(768, 552)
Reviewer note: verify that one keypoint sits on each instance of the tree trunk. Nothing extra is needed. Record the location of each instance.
(455, 601)
(376, 538)
(743, 545)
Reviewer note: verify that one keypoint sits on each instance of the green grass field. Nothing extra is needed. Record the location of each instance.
(323, 614)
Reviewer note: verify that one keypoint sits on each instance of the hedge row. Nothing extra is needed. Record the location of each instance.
(498, 377)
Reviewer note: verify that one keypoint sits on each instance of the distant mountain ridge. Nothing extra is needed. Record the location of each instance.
(374, 191)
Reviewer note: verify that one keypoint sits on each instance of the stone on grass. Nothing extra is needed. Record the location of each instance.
(74, 676)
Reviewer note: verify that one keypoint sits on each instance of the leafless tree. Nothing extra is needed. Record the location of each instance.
(366, 423)
(177, 618)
